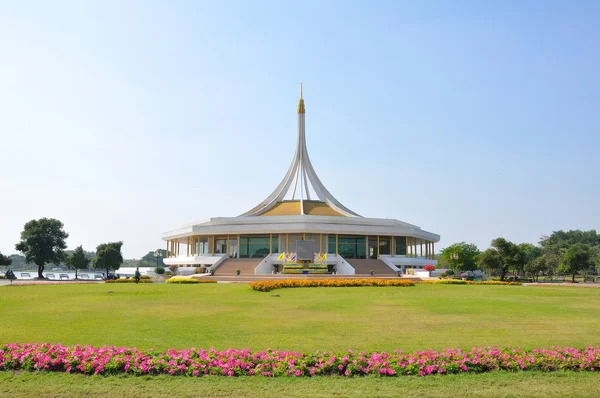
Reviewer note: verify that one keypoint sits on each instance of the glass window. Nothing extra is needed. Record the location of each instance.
(203, 246)
(221, 245)
(254, 246)
(384, 245)
(352, 246)
(331, 244)
(275, 244)
(400, 245)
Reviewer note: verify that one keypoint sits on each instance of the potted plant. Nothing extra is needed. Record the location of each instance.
(237, 271)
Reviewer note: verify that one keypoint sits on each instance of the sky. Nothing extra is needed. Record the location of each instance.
(470, 119)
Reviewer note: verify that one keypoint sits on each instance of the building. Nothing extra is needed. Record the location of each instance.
(292, 215)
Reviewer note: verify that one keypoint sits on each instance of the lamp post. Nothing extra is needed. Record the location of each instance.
(157, 255)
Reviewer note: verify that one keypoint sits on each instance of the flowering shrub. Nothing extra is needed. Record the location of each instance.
(179, 279)
(231, 362)
(128, 280)
(265, 286)
(462, 282)
(429, 267)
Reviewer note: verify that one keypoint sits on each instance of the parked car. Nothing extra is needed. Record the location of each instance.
(110, 277)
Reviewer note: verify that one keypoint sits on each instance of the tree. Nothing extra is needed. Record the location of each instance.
(563, 240)
(108, 256)
(173, 268)
(77, 260)
(159, 270)
(43, 242)
(461, 256)
(150, 261)
(532, 266)
(577, 258)
(595, 255)
(501, 257)
(137, 275)
(5, 260)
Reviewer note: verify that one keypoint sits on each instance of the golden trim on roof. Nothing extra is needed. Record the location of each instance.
(301, 102)
(311, 208)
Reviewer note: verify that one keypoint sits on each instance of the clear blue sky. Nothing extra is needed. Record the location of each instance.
(472, 120)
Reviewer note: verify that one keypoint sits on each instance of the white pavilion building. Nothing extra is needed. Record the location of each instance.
(254, 241)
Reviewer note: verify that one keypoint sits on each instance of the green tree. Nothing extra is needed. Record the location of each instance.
(137, 276)
(150, 261)
(501, 257)
(461, 256)
(595, 255)
(77, 260)
(531, 254)
(159, 270)
(565, 239)
(43, 242)
(5, 260)
(577, 258)
(108, 256)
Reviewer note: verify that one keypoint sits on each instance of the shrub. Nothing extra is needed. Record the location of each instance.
(180, 279)
(449, 272)
(159, 270)
(429, 267)
(128, 280)
(266, 286)
(200, 270)
(173, 268)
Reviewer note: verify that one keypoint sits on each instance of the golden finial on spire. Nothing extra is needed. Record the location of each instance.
(301, 102)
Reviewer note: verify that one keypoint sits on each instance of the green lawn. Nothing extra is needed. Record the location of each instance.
(307, 319)
(488, 385)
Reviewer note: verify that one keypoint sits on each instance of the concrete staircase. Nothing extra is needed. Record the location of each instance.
(246, 266)
(364, 267)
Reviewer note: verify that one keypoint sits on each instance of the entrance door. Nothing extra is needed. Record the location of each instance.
(233, 248)
(372, 252)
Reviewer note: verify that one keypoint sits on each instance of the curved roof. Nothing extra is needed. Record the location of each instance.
(300, 176)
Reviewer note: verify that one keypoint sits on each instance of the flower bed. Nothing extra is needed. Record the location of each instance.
(179, 279)
(461, 282)
(304, 270)
(265, 286)
(231, 362)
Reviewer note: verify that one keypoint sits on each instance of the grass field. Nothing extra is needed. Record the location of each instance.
(307, 319)
(488, 385)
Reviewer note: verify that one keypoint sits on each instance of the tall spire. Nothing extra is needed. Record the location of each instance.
(300, 175)
(301, 102)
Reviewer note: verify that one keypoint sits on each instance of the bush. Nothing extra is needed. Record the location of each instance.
(128, 280)
(266, 286)
(429, 267)
(449, 272)
(180, 279)
(200, 270)
(159, 270)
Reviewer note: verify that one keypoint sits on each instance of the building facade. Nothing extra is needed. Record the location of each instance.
(300, 209)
